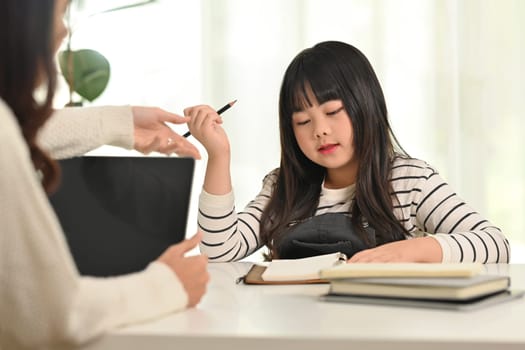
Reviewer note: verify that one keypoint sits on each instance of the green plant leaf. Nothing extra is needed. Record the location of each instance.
(86, 72)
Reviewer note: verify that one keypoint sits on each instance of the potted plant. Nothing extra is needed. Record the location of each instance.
(87, 71)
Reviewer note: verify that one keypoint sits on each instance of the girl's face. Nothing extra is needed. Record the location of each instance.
(59, 27)
(325, 135)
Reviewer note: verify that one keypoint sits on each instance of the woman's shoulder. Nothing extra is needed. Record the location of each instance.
(403, 166)
(6, 115)
(8, 121)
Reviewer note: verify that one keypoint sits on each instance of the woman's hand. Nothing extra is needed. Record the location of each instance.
(191, 271)
(422, 249)
(152, 134)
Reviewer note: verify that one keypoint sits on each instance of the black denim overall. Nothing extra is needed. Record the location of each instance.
(323, 234)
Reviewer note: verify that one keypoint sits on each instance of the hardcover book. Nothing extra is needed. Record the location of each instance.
(458, 305)
(401, 270)
(442, 288)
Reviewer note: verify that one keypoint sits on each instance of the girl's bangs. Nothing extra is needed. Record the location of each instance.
(311, 90)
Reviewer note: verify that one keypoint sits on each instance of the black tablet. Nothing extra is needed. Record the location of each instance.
(121, 213)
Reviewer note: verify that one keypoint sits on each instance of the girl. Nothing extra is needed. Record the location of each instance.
(344, 182)
(44, 303)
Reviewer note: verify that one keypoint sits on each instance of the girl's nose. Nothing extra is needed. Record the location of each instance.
(318, 134)
(321, 129)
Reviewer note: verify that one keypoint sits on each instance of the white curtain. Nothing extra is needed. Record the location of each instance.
(453, 73)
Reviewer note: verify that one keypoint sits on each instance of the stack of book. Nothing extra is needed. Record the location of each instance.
(444, 286)
(463, 286)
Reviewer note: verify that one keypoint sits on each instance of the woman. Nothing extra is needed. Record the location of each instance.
(44, 303)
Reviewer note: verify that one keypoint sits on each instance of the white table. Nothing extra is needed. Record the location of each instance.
(233, 316)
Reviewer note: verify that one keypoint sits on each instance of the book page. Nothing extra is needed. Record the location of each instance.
(300, 269)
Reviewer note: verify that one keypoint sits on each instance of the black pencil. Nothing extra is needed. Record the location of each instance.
(220, 111)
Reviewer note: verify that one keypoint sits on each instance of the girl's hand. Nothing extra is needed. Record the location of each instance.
(422, 249)
(205, 126)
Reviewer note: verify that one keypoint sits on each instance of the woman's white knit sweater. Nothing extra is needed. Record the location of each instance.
(44, 303)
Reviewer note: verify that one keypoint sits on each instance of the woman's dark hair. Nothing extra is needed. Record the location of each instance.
(26, 61)
(334, 71)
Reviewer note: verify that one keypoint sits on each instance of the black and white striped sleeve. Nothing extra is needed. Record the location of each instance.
(464, 234)
(228, 235)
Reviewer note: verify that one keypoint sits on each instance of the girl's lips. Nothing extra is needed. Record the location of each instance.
(326, 149)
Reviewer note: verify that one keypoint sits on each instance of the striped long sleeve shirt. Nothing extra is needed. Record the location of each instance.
(426, 206)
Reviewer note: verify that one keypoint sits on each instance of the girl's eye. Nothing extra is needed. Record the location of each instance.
(335, 111)
(304, 122)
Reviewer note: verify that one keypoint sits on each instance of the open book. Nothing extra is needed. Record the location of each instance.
(293, 271)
